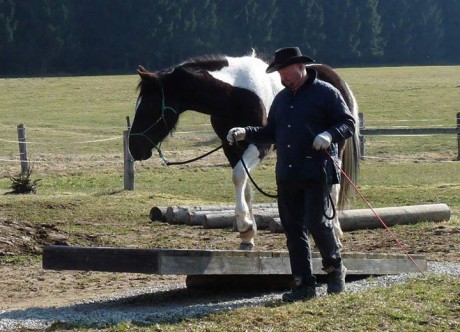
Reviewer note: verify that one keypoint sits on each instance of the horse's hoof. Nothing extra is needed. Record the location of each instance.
(246, 246)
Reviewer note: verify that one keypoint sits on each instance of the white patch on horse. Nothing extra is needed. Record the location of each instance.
(249, 73)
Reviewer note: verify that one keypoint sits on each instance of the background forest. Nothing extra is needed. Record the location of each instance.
(49, 37)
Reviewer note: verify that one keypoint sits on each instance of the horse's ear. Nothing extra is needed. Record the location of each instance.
(144, 73)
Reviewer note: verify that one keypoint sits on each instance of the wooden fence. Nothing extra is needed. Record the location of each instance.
(406, 131)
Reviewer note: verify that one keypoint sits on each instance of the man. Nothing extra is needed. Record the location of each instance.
(306, 118)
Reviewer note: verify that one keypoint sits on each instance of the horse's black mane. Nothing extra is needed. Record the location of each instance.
(195, 64)
(206, 62)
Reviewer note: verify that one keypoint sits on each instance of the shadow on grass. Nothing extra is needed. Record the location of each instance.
(144, 308)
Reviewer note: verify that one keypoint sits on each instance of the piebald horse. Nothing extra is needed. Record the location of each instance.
(235, 92)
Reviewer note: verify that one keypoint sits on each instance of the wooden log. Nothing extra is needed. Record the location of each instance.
(199, 217)
(225, 220)
(275, 226)
(263, 221)
(262, 216)
(220, 207)
(184, 215)
(158, 213)
(178, 214)
(402, 215)
(219, 220)
(351, 220)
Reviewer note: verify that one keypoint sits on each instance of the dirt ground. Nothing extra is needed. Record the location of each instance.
(24, 284)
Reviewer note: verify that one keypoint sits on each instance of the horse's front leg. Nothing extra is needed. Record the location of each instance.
(245, 222)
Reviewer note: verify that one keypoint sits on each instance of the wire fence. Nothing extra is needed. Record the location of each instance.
(88, 150)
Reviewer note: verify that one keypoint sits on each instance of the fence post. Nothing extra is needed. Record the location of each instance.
(458, 136)
(23, 155)
(362, 139)
(128, 177)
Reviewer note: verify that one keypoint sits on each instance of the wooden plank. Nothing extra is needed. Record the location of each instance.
(99, 259)
(212, 262)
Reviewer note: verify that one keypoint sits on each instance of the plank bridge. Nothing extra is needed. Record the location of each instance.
(210, 267)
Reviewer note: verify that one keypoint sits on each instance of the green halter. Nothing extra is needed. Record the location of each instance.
(164, 108)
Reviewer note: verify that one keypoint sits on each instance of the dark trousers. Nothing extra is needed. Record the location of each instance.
(301, 209)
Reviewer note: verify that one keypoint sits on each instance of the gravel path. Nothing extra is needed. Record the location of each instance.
(170, 303)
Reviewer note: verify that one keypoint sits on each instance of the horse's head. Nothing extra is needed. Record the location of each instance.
(155, 117)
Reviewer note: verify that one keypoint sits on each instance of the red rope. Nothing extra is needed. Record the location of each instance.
(378, 217)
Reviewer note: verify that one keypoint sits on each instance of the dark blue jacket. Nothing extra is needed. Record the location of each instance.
(294, 121)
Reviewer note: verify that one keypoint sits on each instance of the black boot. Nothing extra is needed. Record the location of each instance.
(335, 279)
(301, 292)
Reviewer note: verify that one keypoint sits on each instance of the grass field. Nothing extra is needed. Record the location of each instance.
(74, 129)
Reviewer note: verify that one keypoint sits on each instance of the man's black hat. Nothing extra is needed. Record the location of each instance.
(287, 56)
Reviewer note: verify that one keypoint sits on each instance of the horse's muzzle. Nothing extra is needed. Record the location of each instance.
(139, 151)
(141, 155)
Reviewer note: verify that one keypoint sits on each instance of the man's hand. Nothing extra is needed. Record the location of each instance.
(236, 134)
(322, 141)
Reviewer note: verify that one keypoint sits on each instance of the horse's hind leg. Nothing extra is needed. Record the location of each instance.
(243, 196)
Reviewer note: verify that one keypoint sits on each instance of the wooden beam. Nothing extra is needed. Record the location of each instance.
(212, 262)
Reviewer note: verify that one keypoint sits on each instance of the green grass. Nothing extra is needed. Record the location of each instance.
(422, 304)
(81, 183)
(428, 303)
(412, 96)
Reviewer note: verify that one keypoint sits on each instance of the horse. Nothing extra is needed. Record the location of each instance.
(235, 92)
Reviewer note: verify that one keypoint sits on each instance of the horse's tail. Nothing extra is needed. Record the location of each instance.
(350, 159)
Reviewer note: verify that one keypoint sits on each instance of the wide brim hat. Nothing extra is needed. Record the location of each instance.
(287, 56)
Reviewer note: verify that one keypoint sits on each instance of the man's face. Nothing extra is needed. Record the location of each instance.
(292, 75)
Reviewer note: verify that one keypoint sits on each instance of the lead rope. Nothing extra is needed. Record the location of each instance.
(370, 207)
(254, 182)
(171, 163)
(376, 215)
(329, 197)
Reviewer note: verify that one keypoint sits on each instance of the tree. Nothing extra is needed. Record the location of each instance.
(8, 26)
(112, 36)
(429, 33)
(300, 23)
(450, 43)
(340, 27)
(372, 42)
